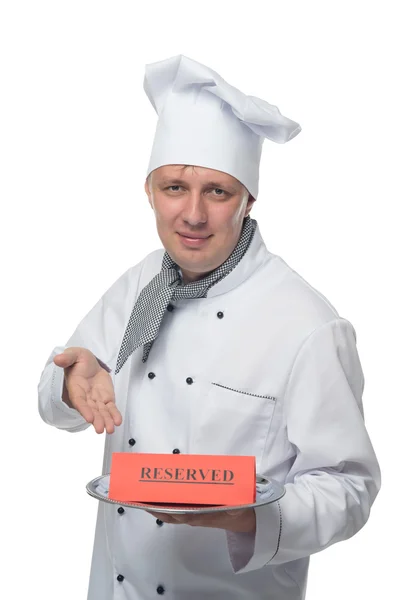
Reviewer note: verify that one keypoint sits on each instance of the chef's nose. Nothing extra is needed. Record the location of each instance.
(194, 212)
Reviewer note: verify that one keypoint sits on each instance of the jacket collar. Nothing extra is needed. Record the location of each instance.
(256, 255)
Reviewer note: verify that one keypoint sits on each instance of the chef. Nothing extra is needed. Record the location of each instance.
(214, 345)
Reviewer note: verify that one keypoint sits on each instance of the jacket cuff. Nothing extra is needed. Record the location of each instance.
(63, 416)
(252, 551)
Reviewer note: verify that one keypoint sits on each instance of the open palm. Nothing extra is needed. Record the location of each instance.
(90, 388)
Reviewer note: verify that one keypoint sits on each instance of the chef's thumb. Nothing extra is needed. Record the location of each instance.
(66, 358)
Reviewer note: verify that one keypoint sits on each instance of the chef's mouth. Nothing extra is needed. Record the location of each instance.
(194, 237)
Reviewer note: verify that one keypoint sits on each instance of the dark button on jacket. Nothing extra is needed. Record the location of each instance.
(159, 522)
(132, 442)
(160, 590)
(151, 375)
(176, 451)
(220, 315)
(120, 578)
(121, 510)
(189, 380)
(170, 308)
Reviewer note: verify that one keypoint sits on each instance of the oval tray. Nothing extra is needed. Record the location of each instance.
(267, 492)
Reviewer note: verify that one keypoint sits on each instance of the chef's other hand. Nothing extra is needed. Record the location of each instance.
(88, 388)
(241, 520)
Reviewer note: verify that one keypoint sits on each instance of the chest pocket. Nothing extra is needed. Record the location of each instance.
(232, 421)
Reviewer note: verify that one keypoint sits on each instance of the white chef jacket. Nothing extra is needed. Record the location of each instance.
(263, 366)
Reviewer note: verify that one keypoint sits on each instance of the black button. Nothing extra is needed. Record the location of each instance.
(121, 510)
(160, 590)
(220, 315)
(189, 380)
(159, 522)
(176, 451)
(120, 578)
(132, 442)
(151, 375)
(170, 308)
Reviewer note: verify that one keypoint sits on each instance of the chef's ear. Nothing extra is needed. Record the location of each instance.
(250, 203)
(148, 191)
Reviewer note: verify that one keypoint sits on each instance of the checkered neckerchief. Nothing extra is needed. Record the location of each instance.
(166, 286)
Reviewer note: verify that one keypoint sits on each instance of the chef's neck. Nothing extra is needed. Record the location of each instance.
(189, 276)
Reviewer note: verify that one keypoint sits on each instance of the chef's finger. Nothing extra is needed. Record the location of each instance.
(182, 518)
(109, 403)
(172, 520)
(108, 421)
(237, 512)
(114, 412)
(200, 521)
(165, 518)
(98, 422)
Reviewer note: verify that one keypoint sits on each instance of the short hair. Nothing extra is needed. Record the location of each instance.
(183, 167)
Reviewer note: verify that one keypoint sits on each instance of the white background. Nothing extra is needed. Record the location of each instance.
(76, 135)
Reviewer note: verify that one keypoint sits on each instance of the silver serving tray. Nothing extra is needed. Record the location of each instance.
(267, 491)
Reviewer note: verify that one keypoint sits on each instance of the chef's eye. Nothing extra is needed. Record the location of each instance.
(174, 188)
(219, 191)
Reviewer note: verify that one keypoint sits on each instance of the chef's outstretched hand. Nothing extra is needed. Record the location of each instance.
(241, 520)
(89, 388)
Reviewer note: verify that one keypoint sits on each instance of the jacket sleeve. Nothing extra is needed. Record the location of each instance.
(335, 476)
(101, 332)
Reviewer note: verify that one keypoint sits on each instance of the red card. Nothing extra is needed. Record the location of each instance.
(183, 478)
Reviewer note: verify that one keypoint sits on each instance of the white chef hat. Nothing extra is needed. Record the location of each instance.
(204, 121)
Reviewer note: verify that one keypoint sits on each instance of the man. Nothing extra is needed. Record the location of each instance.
(216, 346)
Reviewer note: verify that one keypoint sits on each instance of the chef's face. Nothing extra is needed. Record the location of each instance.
(199, 215)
